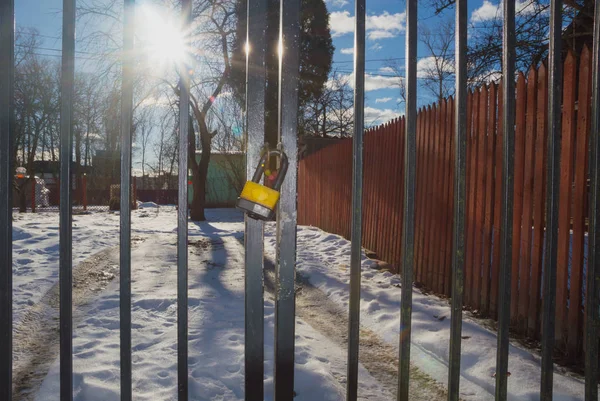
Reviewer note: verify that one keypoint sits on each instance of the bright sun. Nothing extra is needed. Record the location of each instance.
(162, 37)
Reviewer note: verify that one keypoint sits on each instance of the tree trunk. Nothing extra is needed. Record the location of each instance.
(199, 170)
(78, 167)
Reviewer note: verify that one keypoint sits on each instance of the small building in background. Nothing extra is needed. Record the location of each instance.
(225, 179)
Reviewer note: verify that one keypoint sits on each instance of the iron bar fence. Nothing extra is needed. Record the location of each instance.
(7, 70)
(460, 195)
(408, 228)
(552, 199)
(357, 200)
(182, 214)
(507, 191)
(66, 212)
(325, 183)
(285, 311)
(593, 274)
(256, 19)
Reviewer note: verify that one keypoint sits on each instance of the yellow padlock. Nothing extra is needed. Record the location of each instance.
(260, 201)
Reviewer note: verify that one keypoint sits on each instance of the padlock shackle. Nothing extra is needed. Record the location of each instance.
(282, 170)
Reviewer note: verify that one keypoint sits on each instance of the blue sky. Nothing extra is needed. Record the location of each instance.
(385, 40)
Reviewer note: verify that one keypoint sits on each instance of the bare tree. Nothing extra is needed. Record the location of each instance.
(484, 56)
(211, 38)
(331, 112)
(395, 68)
(215, 21)
(88, 103)
(36, 102)
(229, 141)
(144, 128)
(437, 70)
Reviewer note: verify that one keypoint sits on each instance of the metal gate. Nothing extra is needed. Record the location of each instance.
(286, 224)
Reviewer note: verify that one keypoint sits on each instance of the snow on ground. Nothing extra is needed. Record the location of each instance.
(216, 328)
(216, 314)
(324, 258)
(36, 253)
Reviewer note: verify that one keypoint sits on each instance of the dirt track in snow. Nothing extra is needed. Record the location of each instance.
(36, 336)
(379, 358)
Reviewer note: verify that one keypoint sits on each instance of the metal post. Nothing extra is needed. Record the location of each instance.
(33, 194)
(125, 207)
(84, 191)
(7, 42)
(508, 150)
(552, 197)
(408, 230)
(254, 235)
(593, 273)
(66, 197)
(289, 68)
(182, 217)
(357, 196)
(460, 195)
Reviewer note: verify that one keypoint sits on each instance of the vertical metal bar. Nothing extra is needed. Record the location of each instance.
(66, 218)
(506, 216)
(125, 207)
(408, 231)
(289, 69)
(593, 272)
(182, 216)
(7, 43)
(253, 238)
(460, 195)
(357, 200)
(552, 197)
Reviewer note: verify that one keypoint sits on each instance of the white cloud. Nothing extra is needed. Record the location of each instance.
(375, 116)
(375, 82)
(376, 47)
(372, 82)
(386, 70)
(341, 23)
(383, 100)
(337, 3)
(489, 11)
(385, 25)
(382, 26)
(347, 50)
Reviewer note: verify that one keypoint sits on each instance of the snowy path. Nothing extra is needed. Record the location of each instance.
(324, 259)
(379, 358)
(36, 337)
(216, 334)
(36, 254)
(216, 314)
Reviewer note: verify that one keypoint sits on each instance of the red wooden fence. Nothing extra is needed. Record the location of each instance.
(325, 196)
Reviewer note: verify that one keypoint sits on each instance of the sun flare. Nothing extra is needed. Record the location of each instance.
(162, 37)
